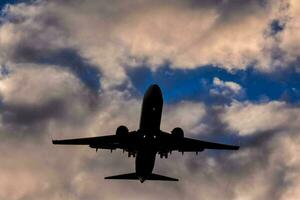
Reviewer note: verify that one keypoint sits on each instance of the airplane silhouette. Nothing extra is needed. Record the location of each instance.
(147, 141)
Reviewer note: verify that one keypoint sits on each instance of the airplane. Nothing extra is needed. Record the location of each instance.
(148, 141)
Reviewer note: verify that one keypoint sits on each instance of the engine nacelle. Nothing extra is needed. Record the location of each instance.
(122, 130)
(177, 132)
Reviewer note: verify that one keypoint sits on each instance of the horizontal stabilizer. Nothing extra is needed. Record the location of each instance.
(157, 177)
(133, 176)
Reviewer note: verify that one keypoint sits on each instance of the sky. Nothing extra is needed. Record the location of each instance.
(229, 72)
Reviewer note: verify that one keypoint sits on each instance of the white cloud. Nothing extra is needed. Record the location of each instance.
(187, 115)
(289, 38)
(226, 87)
(32, 85)
(248, 118)
(187, 34)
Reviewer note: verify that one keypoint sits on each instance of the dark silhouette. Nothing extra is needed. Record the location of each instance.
(148, 141)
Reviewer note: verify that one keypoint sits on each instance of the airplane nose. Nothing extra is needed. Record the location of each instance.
(155, 86)
(153, 96)
(155, 89)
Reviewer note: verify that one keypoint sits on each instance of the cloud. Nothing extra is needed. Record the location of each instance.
(124, 34)
(225, 89)
(33, 85)
(32, 98)
(186, 114)
(248, 118)
(56, 172)
(234, 87)
(289, 38)
(43, 96)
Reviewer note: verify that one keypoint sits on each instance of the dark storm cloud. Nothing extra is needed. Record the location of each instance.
(44, 44)
(33, 120)
(66, 58)
(230, 9)
(29, 121)
(30, 114)
(38, 45)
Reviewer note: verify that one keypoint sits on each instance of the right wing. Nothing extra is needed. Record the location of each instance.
(193, 145)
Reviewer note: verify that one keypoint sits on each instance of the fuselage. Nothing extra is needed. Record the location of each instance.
(151, 109)
(149, 129)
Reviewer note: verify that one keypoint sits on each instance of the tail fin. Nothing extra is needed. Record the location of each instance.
(133, 176)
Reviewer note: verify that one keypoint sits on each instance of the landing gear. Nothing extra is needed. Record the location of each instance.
(133, 154)
(163, 154)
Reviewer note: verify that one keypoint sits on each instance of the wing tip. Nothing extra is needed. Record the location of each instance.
(236, 148)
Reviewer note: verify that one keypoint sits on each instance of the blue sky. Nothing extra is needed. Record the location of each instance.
(4, 2)
(195, 84)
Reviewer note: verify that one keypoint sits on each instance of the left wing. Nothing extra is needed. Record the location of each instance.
(102, 142)
(188, 144)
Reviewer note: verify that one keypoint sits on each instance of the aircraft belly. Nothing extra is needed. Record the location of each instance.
(144, 163)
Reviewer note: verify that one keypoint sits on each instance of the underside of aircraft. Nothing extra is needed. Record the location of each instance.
(148, 141)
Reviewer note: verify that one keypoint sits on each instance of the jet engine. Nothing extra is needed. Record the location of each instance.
(122, 130)
(177, 132)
